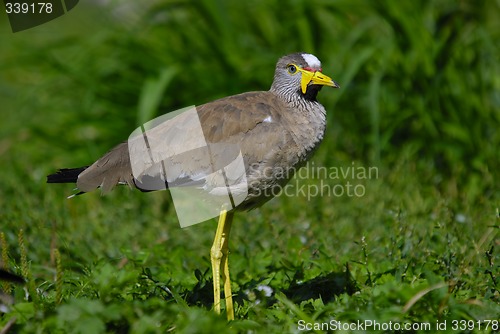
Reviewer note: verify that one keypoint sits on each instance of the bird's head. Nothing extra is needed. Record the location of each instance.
(300, 73)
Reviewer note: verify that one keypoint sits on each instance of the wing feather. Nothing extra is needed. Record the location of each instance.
(249, 123)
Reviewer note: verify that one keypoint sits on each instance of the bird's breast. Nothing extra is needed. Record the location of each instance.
(300, 133)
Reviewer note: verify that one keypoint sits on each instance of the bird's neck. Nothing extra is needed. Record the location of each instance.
(305, 118)
(295, 97)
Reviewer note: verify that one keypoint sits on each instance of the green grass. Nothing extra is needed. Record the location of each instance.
(419, 101)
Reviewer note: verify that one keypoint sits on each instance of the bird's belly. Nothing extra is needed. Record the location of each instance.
(266, 182)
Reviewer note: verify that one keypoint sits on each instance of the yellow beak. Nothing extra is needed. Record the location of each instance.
(315, 78)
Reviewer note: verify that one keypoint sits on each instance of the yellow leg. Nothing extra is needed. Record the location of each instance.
(219, 254)
(228, 295)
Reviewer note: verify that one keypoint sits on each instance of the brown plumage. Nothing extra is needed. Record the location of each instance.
(276, 131)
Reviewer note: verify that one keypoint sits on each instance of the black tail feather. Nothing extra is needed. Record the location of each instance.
(6, 276)
(65, 175)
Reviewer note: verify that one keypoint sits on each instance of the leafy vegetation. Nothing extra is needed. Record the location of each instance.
(419, 100)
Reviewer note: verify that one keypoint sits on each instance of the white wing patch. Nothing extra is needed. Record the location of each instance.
(311, 60)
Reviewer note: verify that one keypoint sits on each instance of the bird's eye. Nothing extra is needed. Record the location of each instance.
(292, 69)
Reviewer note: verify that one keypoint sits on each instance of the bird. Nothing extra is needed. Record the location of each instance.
(275, 132)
